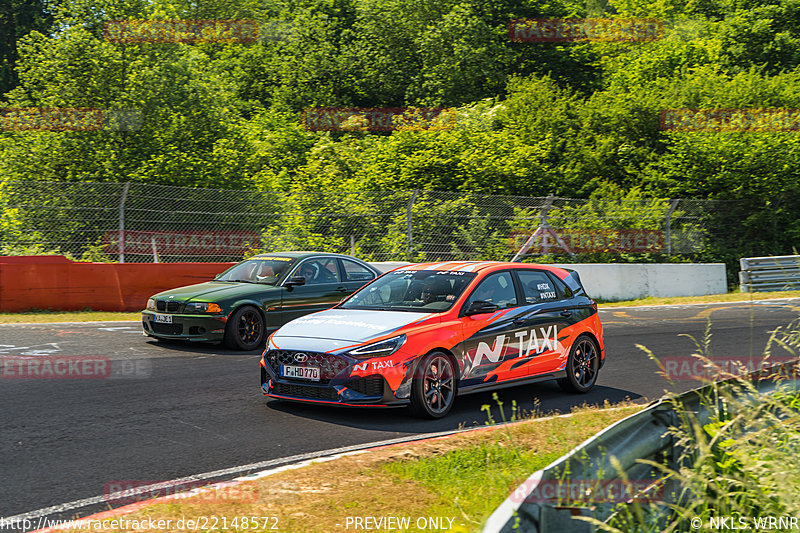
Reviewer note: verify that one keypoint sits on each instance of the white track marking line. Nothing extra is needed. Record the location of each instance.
(272, 466)
(77, 504)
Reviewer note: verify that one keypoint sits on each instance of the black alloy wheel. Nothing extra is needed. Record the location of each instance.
(245, 329)
(582, 366)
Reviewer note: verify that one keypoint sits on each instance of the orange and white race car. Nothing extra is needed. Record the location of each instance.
(423, 334)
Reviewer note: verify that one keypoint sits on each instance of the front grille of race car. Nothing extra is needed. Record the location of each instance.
(167, 329)
(305, 391)
(329, 365)
(368, 386)
(170, 307)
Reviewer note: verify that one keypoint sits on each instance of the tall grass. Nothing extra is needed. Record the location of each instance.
(736, 452)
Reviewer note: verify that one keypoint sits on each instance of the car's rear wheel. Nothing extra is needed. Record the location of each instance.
(245, 329)
(433, 390)
(582, 366)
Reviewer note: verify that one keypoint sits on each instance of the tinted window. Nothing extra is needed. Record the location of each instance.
(496, 288)
(266, 270)
(355, 272)
(561, 287)
(537, 286)
(323, 270)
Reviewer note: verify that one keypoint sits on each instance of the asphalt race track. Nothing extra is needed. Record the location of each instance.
(174, 410)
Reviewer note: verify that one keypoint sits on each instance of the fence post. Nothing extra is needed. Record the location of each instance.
(544, 230)
(409, 227)
(125, 187)
(668, 224)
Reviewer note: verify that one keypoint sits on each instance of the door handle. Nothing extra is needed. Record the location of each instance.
(519, 321)
(341, 289)
(566, 313)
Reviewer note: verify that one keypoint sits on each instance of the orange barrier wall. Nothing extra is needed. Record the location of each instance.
(55, 282)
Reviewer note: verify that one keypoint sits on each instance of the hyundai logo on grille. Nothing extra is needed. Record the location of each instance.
(300, 357)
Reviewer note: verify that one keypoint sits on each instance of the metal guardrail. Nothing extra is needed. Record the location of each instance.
(777, 273)
(642, 436)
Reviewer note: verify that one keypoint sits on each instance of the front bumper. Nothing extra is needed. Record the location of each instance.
(191, 327)
(336, 386)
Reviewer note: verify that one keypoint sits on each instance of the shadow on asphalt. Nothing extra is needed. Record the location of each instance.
(194, 348)
(468, 411)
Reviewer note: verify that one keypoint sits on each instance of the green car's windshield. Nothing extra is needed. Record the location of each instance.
(267, 270)
(429, 291)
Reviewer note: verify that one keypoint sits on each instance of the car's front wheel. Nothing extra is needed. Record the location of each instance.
(433, 390)
(245, 329)
(582, 366)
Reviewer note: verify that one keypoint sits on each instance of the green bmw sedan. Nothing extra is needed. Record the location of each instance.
(254, 297)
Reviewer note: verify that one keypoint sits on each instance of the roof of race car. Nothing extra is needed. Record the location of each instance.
(294, 254)
(477, 266)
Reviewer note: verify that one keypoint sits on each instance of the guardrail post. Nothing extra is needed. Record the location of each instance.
(125, 188)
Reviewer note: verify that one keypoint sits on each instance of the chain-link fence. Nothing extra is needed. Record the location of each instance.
(134, 222)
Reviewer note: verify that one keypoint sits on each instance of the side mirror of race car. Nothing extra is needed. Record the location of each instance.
(481, 306)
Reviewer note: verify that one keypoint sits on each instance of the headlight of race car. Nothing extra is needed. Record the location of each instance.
(380, 348)
(151, 304)
(202, 307)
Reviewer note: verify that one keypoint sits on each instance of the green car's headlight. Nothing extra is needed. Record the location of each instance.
(202, 307)
(151, 304)
(379, 349)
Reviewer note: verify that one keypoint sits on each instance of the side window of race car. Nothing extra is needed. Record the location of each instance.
(564, 292)
(355, 272)
(496, 288)
(317, 271)
(537, 286)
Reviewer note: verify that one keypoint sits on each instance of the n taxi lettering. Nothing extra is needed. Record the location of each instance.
(533, 345)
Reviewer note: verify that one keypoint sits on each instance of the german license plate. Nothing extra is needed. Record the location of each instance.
(300, 372)
(164, 319)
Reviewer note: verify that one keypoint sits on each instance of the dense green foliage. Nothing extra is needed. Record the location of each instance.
(533, 118)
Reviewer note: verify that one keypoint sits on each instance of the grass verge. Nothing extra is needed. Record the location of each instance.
(66, 316)
(96, 316)
(709, 298)
(463, 478)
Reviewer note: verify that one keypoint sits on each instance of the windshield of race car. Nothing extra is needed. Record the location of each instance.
(412, 290)
(265, 270)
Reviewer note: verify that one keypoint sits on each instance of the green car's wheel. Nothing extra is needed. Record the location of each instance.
(245, 329)
(582, 366)
(433, 390)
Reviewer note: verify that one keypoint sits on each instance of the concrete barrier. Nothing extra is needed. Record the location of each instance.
(54, 282)
(627, 281)
(385, 266)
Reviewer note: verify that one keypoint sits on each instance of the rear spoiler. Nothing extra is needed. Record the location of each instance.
(573, 281)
